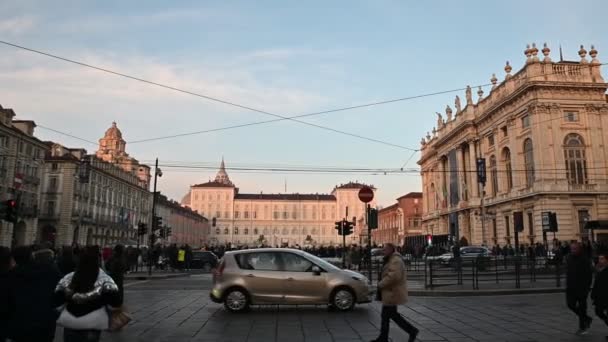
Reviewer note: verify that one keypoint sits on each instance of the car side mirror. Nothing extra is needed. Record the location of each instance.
(316, 270)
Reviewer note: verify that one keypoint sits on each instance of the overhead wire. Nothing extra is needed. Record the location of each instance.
(211, 98)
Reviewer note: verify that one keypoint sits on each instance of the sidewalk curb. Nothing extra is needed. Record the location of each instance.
(472, 293)
(156, 277)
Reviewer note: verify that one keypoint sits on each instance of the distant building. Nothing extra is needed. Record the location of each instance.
(542, 134)
(187, 226)
(276, 219)
(95, 199)
(21, 167)
(400, 220)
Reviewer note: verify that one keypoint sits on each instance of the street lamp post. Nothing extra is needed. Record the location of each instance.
(157, 173)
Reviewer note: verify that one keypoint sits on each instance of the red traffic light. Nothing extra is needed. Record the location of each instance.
(11, 203)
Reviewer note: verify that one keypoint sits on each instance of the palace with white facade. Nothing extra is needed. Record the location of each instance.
(276, 219)
(543, 134)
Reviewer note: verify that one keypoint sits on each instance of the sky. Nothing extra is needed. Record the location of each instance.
(284, 57)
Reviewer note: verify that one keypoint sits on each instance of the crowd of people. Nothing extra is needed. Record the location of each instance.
(73, 288)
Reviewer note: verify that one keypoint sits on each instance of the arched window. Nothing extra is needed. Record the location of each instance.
(255, 231)
(226, 231)
(529, 161)
(576, 162)
(506, 159)
(493, 175)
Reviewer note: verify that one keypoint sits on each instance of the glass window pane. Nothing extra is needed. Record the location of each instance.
(296, 263)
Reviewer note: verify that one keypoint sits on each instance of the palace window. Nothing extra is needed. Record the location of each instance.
(505, 131)
(576, 162)
(571, 116)
(525, 121)
(529, 161)
(491, 139)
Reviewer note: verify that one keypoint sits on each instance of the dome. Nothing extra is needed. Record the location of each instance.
(113, 132)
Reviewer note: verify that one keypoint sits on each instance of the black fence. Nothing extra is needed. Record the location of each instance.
(476, 273)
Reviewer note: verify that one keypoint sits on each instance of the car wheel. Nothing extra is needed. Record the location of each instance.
(343, 299)
(236, 300)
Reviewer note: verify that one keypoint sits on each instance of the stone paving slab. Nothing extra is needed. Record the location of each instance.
(180, 316)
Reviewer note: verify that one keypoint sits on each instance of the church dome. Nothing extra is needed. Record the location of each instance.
(113, 132)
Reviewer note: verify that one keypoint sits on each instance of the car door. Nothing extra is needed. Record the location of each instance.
(301, 285)
(262, 276)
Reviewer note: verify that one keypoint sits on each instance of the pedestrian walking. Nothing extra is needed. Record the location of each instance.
(6, 263)
(31, 284)
(84, 295)
(393, 292)
(599, 294)
(117, 267)
(579, 275)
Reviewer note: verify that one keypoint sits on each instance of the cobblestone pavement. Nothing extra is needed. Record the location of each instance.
(183, 314)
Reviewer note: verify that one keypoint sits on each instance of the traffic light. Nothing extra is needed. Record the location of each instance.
(344, 228)
(10, 213)
(152, 239)
(339, 227)
(142, 229)
(372, 222)
(157, 223)
(167, 231)
(347, 228)
(429, 239)
(162, 233)
(553, 222)
(518, 221)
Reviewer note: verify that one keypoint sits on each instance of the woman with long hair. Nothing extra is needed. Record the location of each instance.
(85, 293)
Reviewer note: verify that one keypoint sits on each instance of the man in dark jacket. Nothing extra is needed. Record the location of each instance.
(599, 295)
(31, 287)
(579, 275)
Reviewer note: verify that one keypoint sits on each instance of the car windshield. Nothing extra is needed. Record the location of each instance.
(321, 263)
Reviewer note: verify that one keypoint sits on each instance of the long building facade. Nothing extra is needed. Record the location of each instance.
(21, 168)
(542, 134)
(276, 219)
(187, 226)
(94, 198)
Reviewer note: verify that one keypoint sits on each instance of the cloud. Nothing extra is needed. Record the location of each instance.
(57, 92)
(16, 25)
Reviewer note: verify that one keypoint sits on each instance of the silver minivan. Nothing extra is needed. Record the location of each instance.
(285, 276)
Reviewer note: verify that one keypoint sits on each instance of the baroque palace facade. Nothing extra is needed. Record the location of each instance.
(542, 132)
(276, 219)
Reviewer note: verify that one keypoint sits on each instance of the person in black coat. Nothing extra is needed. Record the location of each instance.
(66, 261)
(579, 275)
(31, 287)
(599, 294)
(6, 263)
(117, 267)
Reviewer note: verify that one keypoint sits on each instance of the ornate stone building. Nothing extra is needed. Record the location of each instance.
(542, 132)
(275, 219)
(21, 166)
(400, 220)
(95, 199)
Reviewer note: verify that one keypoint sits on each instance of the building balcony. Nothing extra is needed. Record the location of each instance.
(49, 216)
(31, 180)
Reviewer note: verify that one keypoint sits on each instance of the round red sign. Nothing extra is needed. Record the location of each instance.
(366, 194)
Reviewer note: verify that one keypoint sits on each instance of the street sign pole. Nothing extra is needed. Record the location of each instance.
(369, 243)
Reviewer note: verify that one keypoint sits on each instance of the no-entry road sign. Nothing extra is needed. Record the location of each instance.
(366, 194)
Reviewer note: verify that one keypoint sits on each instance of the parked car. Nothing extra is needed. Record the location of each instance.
(285, 276)
(466, 254)
(205, 260)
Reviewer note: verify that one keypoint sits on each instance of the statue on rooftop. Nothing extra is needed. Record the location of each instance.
(448, 113)
(469, 95)
(439, 120)
(457, 104)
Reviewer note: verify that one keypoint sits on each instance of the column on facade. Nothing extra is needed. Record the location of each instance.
(472, 175)
(440, 184)
(461, 173)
